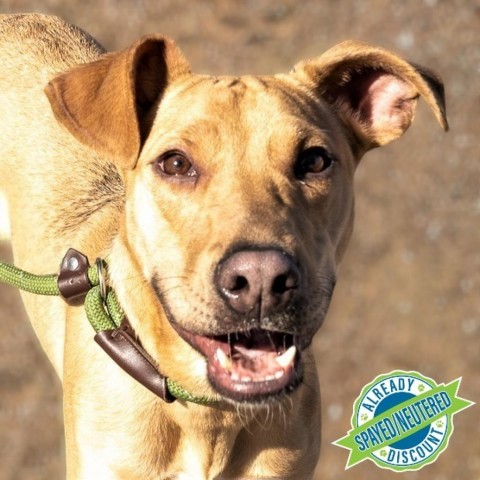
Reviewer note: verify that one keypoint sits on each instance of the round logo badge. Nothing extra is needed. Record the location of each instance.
(402, 421)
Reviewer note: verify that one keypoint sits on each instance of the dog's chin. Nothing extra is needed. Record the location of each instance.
(251, 366)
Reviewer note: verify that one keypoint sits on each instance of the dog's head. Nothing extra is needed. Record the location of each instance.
(239, 198)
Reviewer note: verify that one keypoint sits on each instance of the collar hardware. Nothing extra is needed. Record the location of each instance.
(72, 280)
(79, 283)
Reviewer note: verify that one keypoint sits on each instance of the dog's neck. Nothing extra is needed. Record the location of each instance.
(209, 440)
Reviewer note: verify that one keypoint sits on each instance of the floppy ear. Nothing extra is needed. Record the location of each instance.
(105, 104)
(374, 90)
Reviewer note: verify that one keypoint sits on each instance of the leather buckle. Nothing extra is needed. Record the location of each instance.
(73, 280)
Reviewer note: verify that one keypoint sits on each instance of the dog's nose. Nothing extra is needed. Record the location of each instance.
(258, 281)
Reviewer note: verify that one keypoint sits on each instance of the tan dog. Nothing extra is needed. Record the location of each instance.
(224, 205)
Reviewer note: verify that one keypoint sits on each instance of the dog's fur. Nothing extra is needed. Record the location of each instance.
(79, 167)
(4, 223)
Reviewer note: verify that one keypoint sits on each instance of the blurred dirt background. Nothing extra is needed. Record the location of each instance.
(408, 294)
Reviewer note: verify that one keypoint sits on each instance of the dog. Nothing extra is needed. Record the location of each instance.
(4, 226)
(224, 206)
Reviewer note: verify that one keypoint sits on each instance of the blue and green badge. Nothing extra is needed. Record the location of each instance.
(402, 421)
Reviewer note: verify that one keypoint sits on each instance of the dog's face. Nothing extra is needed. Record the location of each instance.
(230, 217)
(240, 204)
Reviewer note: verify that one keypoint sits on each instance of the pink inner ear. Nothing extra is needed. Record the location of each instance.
(386, 105)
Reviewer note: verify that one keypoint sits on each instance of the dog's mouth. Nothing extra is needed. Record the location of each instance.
(249, 366)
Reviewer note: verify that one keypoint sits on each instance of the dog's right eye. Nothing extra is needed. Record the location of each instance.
(175, 164)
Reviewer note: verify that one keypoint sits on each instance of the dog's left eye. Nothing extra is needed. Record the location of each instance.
(313, 161)
(176, 164)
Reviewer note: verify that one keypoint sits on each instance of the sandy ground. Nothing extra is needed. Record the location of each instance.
(408, 295)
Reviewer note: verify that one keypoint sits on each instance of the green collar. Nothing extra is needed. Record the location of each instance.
(79, 283)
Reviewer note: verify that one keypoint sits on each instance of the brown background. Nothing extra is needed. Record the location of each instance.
(408, 295)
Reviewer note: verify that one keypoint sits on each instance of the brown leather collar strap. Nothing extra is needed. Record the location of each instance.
(121, 345)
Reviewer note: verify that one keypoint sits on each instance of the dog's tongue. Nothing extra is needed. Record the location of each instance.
(252, 366)
(255, 365)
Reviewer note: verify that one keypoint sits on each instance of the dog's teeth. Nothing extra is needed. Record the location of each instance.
(279, 374)
(246, 379)
(224, 360)
(286, 359)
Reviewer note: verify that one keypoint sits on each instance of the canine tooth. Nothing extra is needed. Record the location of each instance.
(224, 360)
(286, 359)
(279, 374)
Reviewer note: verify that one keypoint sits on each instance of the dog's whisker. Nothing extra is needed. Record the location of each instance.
(270, 339)
(242, 415)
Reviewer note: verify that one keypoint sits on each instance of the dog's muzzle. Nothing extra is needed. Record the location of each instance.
(253, 355)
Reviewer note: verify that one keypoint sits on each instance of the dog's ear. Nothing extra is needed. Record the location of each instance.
(374, 90)
(107, 104)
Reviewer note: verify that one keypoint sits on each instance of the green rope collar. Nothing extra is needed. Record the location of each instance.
(101, 307)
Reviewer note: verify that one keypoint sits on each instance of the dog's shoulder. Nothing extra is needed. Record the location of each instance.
(46, 39)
